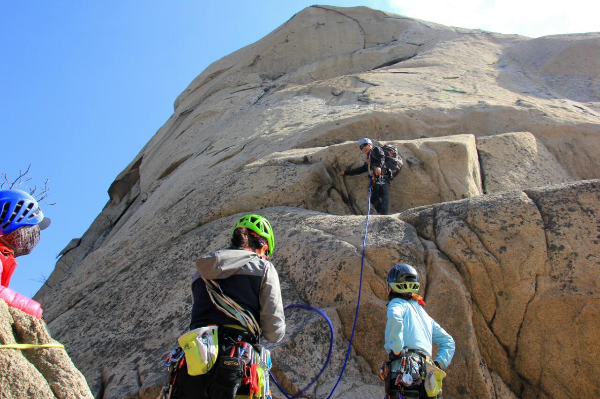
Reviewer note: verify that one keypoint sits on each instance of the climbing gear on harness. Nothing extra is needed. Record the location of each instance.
(174, 362)
(242, 365)
(393, 160)
(18, 209)
(264, 368)
(231, 308)
(201, 348)
(261, 226)
(228, 377)
(53, 345)
(363, 142)
(404, 278)
(409, 370)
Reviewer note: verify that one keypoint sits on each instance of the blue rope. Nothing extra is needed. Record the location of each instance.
(362, 262)
(307, 307)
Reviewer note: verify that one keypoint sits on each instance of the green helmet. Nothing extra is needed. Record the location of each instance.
(404, 278)
(261, 226)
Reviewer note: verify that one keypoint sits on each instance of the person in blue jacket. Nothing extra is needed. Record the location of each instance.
(410, 331)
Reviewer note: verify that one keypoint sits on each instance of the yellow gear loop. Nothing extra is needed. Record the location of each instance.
(55, 345)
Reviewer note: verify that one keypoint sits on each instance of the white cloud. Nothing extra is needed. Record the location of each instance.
(525, 17)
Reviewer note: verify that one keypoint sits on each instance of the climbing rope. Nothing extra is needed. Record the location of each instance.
(362, 263)
(54, 345)
(328, 354)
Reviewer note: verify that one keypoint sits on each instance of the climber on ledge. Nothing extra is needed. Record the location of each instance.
(409, 334)
(21, 220)
(381, 176)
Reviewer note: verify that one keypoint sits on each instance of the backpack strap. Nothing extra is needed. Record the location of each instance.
(231, 308)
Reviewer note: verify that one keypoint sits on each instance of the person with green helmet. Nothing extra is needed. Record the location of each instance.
(244, 275)
(409, 334)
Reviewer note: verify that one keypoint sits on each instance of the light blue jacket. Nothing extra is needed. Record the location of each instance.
(409, 326)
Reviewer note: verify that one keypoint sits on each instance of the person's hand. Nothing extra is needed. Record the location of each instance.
(378, 171)
(342, 173)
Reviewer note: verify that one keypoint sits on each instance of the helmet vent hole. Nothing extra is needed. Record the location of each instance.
(4, 211)
(18, 210)
(33, 215)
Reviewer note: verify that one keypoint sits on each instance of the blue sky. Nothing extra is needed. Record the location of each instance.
(85, 84)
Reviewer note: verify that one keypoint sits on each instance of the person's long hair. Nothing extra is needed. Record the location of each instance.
(245, 238)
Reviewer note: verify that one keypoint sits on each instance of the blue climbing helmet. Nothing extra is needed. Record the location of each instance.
(18, 209)
(404, 278)
(363, 142)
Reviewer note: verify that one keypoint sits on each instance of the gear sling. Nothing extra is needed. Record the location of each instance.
(242, 364)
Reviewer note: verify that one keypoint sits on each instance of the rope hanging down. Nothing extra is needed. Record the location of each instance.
(362, 263)
(362, 266)
(328, 354)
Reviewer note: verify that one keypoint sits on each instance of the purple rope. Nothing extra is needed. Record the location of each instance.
(362, 262)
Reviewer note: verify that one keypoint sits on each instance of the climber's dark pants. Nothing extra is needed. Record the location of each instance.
(380, 196)
(416, 392)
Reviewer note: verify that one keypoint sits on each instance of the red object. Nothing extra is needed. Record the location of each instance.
(8, 265)
(253, 380)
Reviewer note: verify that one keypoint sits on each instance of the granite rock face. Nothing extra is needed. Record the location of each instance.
(45, 373)
(497, 206)
(516, 161)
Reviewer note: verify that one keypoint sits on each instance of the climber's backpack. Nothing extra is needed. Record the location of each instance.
(393, 160)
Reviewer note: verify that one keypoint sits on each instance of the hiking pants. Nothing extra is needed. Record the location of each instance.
(380, 196)
(416, 392)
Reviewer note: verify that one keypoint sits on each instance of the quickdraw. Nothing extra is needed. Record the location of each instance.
(257, 365)
(408, 370)
(174, 362)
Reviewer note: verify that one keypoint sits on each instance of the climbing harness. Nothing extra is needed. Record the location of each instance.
(54, 345)
(408, 371)
(174, 362)
(241, 363)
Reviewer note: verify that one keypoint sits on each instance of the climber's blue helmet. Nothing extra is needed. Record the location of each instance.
(404, 278)
(363, 142)
(18, 209)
